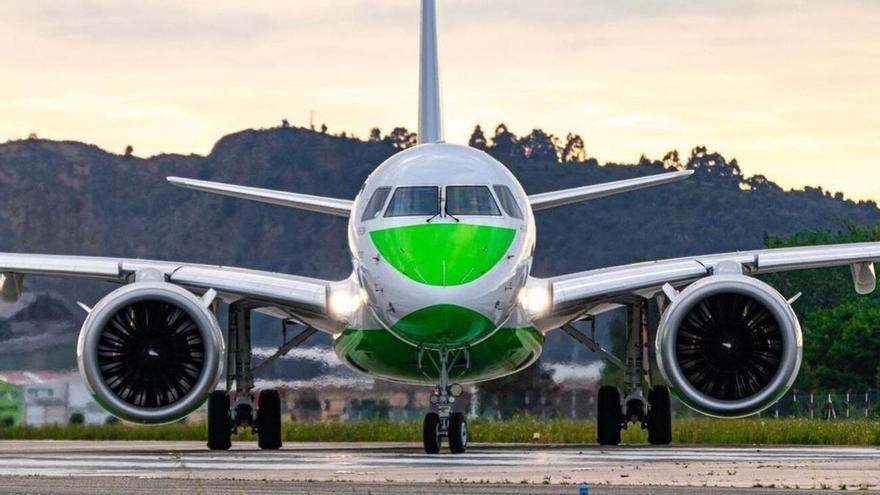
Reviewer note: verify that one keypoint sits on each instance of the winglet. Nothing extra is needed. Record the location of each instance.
(553, 199)
(320, 204)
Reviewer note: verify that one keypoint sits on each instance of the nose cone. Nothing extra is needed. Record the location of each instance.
(444, 325)
(443, 254)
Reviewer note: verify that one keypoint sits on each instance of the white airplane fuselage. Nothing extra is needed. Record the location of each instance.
(441, 238)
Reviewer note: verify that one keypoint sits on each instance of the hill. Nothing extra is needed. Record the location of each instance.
(74, 198)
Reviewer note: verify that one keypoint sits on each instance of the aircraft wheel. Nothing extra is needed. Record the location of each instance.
(269, 420)
(219, 421)
(458, 433)
(659, 416)
(609, 417)
(431, 433)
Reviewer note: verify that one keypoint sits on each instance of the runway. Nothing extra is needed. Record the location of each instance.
(96, 468)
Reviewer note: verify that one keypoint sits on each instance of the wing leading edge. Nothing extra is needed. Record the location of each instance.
(563, 197)
(320, 204)
(590, 292)
(278, 294)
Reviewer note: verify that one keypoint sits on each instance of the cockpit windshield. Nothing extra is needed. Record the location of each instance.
(508, 201)
(414, 201)
(470, 200)
(374, 207)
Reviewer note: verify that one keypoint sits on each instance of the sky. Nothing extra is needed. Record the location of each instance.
(789, 88)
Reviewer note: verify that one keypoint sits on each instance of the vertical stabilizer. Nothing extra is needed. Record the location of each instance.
(430, 125)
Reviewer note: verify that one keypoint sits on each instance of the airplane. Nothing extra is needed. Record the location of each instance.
(442, 238)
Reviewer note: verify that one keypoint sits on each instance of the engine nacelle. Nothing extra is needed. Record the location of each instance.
(150, 352)
(729, 346)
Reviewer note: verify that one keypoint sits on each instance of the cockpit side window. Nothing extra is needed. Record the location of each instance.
(508, 202)
(470, 200)
(377, 202)
(414, 201)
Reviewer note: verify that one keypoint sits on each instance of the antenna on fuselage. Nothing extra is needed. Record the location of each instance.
(430, 125)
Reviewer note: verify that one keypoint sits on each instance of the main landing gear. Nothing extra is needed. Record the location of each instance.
(441, 422)
(642, 403)
(225, 417)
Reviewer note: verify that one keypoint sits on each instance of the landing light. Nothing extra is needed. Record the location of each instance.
(535, 300)
(344, 303)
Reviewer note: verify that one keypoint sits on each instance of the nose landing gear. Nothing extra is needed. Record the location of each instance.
(441, 421)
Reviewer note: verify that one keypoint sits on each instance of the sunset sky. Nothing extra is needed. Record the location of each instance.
(790, 88)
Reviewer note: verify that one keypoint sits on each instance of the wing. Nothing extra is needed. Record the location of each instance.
(285, 296)
(320, 204)
(553, 199)
(580, 294)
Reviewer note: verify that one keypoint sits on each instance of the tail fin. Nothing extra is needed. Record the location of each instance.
(430, 121)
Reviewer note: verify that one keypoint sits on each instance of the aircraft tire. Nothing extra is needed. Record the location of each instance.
(431, 433)
(609, 418)
(219, 421)
(458, 433)
(659, 416)
(269, 420)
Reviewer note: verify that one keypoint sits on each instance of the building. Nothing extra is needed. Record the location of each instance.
(54, 398)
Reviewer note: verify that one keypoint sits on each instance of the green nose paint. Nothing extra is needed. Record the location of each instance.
(443, 254)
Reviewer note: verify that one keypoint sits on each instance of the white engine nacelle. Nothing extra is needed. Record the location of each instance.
(729, 346)
(151, 352)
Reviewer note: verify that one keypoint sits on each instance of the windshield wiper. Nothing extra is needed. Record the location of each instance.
(450, 215)
(433, 217)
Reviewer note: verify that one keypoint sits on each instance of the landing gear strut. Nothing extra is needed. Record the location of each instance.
(264, 416)
(441, 421)
(643, 403)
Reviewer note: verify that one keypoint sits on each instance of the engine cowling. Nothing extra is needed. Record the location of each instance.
(729, 346)
(150, 352)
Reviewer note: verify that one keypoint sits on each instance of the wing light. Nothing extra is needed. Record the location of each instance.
(535, 299)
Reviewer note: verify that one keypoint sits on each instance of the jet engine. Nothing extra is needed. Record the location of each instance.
(151, 352)
(729, 345)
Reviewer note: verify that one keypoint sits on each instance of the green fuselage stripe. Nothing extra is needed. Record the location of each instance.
(444, 325)
(443, 254)
(381, 354)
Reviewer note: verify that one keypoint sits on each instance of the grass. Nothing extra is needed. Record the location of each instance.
(523, 430)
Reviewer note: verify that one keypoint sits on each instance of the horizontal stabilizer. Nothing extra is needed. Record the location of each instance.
(553, 199)
(320, 204)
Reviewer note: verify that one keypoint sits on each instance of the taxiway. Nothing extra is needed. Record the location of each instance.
(96, 468)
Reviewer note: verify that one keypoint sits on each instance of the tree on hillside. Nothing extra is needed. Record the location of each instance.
(401, 138)
(843, 346)
(285, 123)
(762, 183)
(714, 166)
(504, 143)
(129, 151)
(671, 161)
(540, 146)
(837, 323)
(375, 135)
(478, 139)
(574, 150)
